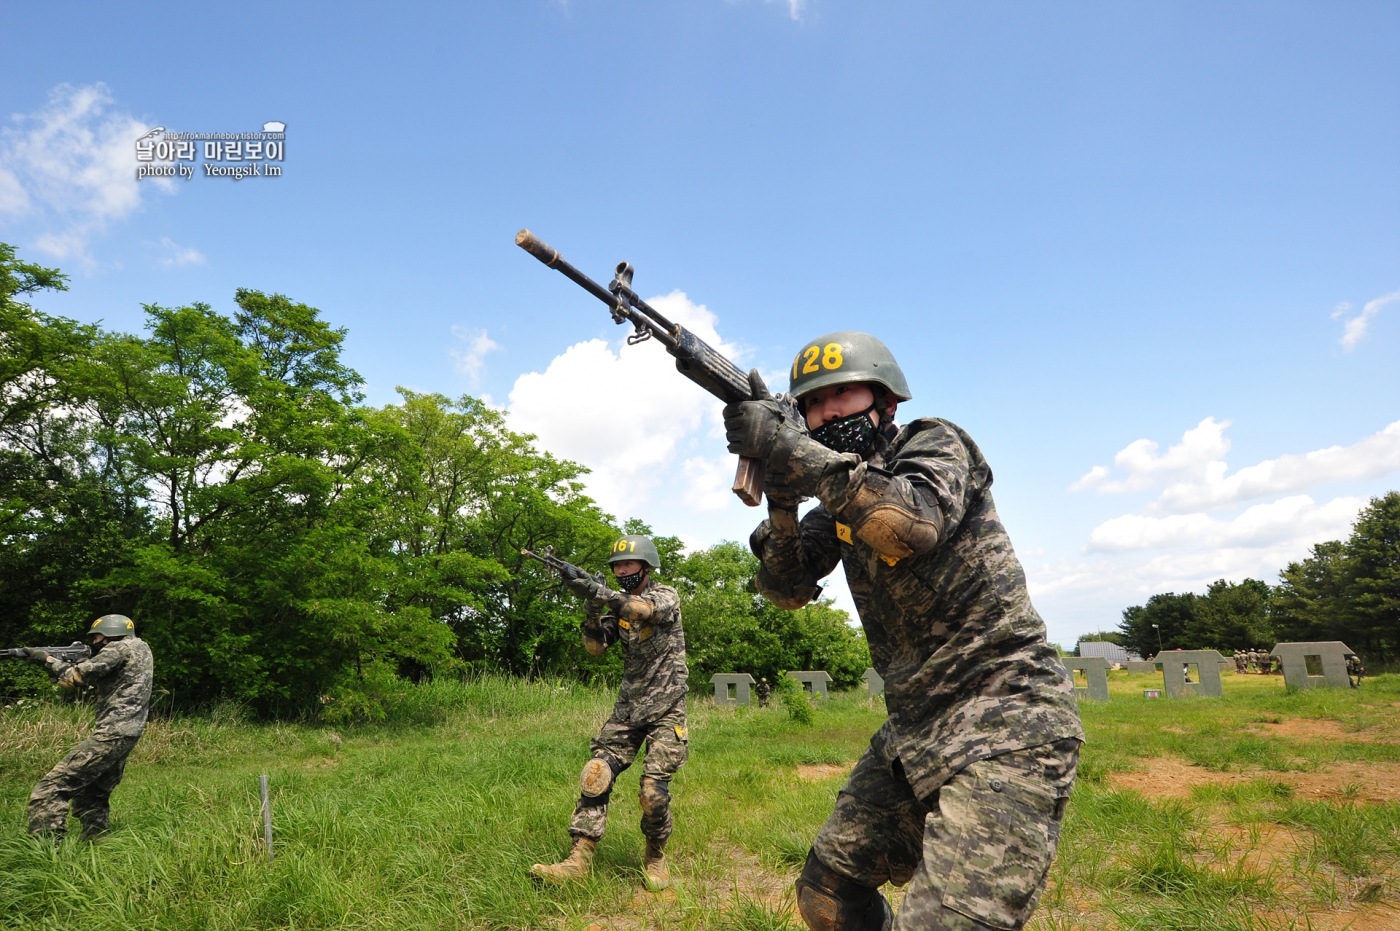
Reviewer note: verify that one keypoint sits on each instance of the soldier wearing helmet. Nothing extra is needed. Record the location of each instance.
(119, 674)
(962, 790)
(645, 619)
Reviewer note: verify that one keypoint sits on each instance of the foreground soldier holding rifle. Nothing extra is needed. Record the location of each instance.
(963, 789)
(645, 618)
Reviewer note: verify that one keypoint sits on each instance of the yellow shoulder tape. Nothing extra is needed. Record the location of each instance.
(888, 560)
(624, 625)
(681, 732)
(843, 533)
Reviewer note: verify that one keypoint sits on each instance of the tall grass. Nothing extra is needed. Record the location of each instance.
(431, 818)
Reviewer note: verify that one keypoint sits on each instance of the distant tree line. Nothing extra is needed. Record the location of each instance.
(1346, 590)
(282, 544)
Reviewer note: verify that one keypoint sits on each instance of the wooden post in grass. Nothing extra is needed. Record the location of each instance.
(267, 815)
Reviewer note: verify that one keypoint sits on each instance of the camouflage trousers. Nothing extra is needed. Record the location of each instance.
(617, 744)
(977, 852)
(86, 778)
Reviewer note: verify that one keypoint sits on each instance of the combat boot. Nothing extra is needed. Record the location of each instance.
(576, 865)
(654, 866)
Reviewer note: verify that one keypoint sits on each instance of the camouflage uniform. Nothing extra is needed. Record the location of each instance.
(120, 675)
(650, 709)
(964, 786)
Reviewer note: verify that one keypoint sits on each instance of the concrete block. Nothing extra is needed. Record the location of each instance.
(1207, 663)
(1095, 669)
(873, 682)
(815, 681)
(1331, 655)
(741, 681)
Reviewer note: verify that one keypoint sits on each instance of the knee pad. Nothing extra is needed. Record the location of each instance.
(655, 795)
(829, 901)
(596, 779)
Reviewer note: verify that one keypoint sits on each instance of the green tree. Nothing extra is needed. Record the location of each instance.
(460, 496)
(1374, 551)
(1233, 616)
(1173, 616)
(731, 628)
(241, 433)
(65, 514)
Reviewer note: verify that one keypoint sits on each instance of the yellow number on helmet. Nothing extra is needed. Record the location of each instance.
(810, 357)
(831, 356)
(633, 547)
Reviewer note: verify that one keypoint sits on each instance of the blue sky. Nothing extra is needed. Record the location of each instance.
(1084, 229)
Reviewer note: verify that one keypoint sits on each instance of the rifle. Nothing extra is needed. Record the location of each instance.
(567, 570)
(73, 653)
(695, 359)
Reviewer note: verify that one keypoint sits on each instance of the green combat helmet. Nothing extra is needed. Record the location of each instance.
(635, 546)
(113, 626)
(846, 357)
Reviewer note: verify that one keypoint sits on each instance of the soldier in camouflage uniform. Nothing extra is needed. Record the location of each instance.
(646, 619)
(963, 789)
(119, 672)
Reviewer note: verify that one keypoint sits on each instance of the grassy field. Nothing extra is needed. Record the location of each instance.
(1261, 810)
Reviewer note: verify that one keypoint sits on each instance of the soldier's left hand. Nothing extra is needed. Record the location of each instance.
(70, 678)
(584, 587)
(37, 656)
(751, 427)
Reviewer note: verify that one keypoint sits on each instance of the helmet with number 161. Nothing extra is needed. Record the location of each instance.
(635, 546)
(846, 357)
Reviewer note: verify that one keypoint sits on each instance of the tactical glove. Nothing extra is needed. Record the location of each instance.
(586, 588)
(36, 656)
(751, 427)
(70, 678)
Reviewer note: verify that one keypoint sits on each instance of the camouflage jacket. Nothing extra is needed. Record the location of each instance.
(968, 673)
(120, 675)
(654, 672)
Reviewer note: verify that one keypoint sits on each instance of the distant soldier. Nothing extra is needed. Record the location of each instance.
(764, 690)
(119, 672)
(1252, 661)
(646, 618)
(962, 791)
(1355, 671)
(1240, 661)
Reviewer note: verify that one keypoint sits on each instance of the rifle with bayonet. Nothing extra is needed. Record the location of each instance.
(695, 359)
(75, 652)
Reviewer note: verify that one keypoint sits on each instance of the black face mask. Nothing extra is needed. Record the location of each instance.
(97, 647)
(850, 434)
(631, 583)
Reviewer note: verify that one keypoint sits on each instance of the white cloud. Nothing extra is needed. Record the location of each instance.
(1195, 477)
(1372, 457)
(176, 254)
(72, 164)
(795, 7)
(626, 413)
(1297, 516)
(1355, 328)
(471, 357)
(1142, 556)
(1090, 479)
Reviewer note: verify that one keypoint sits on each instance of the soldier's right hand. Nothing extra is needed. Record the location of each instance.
(36, 656)
(70, 678)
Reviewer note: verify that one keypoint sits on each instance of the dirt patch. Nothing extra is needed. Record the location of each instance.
(1317, 729)
(1377, 918)
(1262, 848)
(744, 880)
(1171, 777)
(820, 772)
